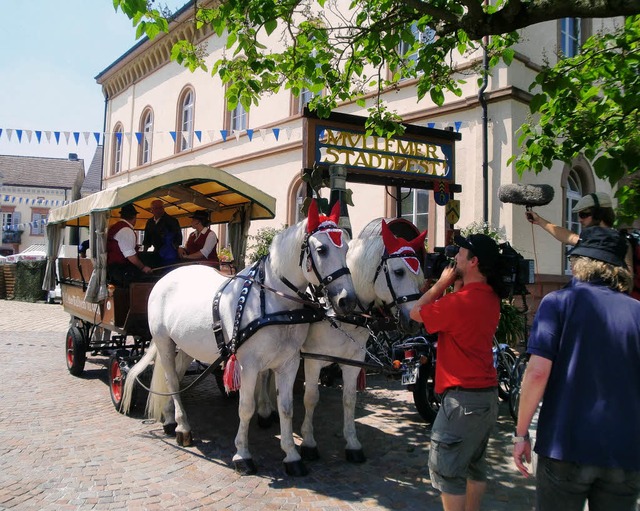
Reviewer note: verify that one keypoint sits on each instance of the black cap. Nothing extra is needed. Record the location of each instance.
(482, 246)
(128, 211)
(203, 216)
(603, 244)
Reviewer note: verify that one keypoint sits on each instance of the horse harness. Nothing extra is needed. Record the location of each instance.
(310, 313)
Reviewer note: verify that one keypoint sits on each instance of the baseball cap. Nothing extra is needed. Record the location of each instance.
(482, 246)
(597, 199)
(603, 244)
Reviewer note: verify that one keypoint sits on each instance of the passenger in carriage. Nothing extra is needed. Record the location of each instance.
(123, 263)
(163, 233)
(202, 242)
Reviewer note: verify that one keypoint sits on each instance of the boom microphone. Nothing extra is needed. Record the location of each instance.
(526, 195)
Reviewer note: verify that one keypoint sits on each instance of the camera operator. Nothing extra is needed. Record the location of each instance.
(465, 321)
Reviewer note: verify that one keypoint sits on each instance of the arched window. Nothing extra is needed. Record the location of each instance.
(116, 149)
(415, 207)
(296, 197)
(184, 138)
(145, 142)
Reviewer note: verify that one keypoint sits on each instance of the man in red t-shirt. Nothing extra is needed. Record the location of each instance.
(465, 321)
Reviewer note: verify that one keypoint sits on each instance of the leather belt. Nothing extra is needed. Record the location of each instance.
(467, 389)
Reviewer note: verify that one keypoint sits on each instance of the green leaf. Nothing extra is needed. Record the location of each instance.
(270, 26)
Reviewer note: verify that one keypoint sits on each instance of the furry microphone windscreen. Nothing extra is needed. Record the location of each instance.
(526, 195)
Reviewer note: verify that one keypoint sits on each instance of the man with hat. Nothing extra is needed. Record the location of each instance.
(202, 242)
(465, 321)
(592, 209)
(123, 263)
(584, 366)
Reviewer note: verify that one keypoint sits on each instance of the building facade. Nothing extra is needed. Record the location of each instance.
(161, 116)
(29, 188)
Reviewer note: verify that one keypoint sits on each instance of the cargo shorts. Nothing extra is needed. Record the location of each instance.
(459, 438)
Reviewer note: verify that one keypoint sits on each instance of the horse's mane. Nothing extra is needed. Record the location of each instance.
(285, 249)
(363, 258)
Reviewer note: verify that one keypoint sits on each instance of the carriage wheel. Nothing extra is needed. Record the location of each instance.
(75, 351)
(116, 381)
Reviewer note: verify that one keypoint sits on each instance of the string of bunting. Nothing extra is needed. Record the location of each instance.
(21, 226)
(75, 137)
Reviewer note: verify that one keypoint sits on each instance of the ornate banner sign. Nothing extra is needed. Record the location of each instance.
(417, 159)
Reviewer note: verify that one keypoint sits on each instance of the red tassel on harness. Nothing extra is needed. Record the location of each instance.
(362, 380)
(231, 376)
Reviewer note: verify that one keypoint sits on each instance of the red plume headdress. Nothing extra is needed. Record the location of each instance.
(399, 247)
(327, 224)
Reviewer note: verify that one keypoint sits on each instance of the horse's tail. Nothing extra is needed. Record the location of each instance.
(159, 394)
(155, 401)
(133, 374)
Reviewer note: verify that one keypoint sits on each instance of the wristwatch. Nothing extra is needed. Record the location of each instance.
(517, 439)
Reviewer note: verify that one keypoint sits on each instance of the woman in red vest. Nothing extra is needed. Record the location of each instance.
(202, 242)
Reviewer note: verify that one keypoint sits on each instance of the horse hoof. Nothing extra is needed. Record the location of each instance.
(295, 468)
(184, 439)
(245, 467)
(170, 429)
(355, 455)
(309, 453)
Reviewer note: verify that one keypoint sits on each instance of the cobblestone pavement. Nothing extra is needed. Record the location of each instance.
(63, 446)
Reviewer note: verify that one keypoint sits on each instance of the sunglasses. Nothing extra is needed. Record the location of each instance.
(585, 214)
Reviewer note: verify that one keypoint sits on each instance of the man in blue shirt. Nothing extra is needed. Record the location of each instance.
(585, 367)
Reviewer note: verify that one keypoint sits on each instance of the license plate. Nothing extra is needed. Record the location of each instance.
(410, 374)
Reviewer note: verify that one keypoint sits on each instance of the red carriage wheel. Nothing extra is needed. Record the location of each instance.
(75, 351)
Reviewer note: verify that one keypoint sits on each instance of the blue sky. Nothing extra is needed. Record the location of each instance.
(51, 52)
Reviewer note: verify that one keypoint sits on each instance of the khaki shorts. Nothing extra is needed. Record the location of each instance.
(459, 439)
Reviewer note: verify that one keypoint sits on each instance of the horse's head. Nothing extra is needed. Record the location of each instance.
(399, 277)
(324, 258)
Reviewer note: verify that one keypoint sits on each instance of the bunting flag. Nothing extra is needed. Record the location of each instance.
(26, 136)
(14, 199)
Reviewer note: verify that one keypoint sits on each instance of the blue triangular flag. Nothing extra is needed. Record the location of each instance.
(97, 137)
(199, 135)
(250, 134)
(19, 133)
(173, 135)
(57, 135)
(458, 124)
(139, 137)
(276, 132)
(38, 135)
(431, 125)
(76, 136)
(224, 134)
(119, 137)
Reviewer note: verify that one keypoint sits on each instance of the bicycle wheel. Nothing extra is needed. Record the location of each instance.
(506, 363)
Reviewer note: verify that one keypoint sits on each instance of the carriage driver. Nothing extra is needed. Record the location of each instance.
(123, 263)
(465, 321)
(202, 242)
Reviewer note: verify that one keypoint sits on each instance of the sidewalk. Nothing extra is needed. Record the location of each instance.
(63, 446)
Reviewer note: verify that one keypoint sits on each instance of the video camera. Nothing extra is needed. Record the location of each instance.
(516, 271)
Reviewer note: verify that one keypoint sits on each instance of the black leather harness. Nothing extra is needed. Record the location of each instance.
(311, 312)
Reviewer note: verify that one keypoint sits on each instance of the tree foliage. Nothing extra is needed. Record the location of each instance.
(590, 104)
(346, 51)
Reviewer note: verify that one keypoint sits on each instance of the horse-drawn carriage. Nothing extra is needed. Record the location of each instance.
(112, 320)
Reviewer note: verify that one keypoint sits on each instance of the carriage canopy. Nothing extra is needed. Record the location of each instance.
(183, 191)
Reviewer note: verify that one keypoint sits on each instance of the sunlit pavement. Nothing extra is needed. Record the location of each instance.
(63, 446)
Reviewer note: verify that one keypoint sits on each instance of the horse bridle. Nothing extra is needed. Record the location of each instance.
(307, 249)
(383, 266)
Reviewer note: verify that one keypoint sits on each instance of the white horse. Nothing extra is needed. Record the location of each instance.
(386, 273)
(269, 302)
